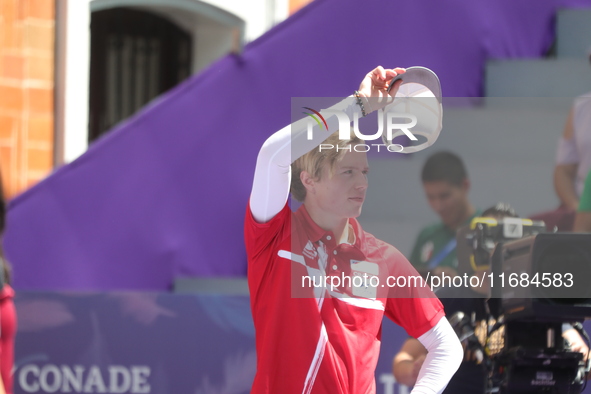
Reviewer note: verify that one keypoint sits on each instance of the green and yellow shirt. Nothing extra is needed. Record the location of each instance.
(435, 244)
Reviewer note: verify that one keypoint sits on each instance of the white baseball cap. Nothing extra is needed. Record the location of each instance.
(418, 95)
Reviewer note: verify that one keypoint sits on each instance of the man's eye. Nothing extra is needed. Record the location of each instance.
(349, 172)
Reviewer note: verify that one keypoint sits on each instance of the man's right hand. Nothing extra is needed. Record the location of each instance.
(375, 86)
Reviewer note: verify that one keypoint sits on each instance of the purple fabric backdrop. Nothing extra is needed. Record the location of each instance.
(164, 194)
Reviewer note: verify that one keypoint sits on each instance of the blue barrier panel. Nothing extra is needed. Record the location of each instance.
(148, 343)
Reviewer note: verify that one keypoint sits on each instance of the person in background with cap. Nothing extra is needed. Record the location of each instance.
(446, 184)
(320, 339)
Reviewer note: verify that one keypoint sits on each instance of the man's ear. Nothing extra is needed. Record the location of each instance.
(308, 181)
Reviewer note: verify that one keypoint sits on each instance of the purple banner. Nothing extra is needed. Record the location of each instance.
(163, 195)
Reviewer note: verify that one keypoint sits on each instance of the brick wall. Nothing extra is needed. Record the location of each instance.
(295, 5)
(26, 92)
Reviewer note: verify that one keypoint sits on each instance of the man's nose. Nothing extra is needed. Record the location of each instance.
(362, 182)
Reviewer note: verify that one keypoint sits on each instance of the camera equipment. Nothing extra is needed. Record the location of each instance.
(544, 277)
(540, 281)
(477, 241)
(544, 284)
(463, 325)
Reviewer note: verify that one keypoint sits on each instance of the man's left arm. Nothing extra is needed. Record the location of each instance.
(415, 308)
(443, 359)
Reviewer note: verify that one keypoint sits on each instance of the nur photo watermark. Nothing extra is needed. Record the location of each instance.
(394, 121)
(404, 125)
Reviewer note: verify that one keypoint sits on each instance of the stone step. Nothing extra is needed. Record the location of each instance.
(573, 33)
(537, 78)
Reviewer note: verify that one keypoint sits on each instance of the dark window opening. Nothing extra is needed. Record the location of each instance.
(134, 57)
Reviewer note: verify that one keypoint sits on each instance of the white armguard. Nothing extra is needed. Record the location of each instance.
(442, 361)
(272, 176)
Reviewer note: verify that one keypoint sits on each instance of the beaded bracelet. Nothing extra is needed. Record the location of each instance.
(360, 103)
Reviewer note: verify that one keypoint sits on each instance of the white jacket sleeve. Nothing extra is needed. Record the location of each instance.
(566, 152)
(442, 361)
(272, 176)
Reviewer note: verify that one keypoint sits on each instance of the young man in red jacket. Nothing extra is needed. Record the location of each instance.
(324, 338)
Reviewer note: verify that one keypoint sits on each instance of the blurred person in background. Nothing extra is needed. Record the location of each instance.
(583, 216)
(573, 162)
(446, 185)
(7, 311)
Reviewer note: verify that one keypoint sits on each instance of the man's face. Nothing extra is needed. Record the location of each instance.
(448, 200)
(342, 194)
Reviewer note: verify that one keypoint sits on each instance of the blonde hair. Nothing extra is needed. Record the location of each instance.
(314, 161)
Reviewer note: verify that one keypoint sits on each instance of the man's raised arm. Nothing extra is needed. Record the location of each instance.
(272, 176)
